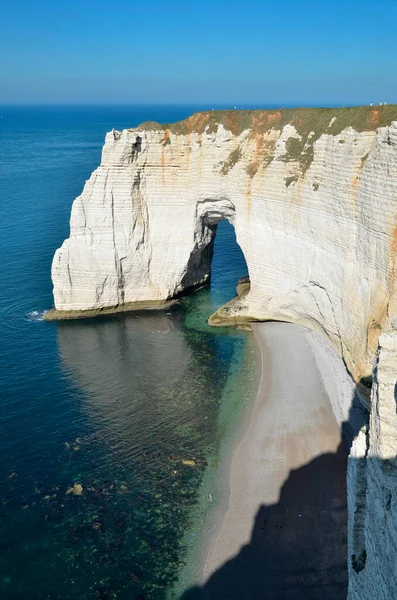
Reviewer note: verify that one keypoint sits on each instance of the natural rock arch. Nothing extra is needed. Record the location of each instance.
(314, 207)
(314, 216)
(209, 213)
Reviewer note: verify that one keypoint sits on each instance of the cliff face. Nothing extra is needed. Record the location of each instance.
(313, 201)
(313, 197)
(372, 487)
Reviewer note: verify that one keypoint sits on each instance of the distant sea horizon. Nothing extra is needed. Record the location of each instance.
(197, 106)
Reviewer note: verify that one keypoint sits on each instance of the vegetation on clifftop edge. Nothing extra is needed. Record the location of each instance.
(233, 158)
(310, 123)
(305, 120)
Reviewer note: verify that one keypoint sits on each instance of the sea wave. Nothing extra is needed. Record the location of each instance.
(35, 315)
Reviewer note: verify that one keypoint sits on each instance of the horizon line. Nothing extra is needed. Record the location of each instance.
(223, 105)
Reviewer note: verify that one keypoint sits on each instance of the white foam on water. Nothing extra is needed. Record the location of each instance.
(35, 315)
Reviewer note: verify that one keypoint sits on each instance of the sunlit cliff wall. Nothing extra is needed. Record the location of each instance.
(312, 194)
(313, 197)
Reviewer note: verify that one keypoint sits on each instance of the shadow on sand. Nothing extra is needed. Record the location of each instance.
(298, 547)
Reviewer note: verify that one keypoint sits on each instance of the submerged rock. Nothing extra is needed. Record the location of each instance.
(189, 462)
(76, 490)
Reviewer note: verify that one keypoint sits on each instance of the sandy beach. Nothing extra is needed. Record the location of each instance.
(282, 533)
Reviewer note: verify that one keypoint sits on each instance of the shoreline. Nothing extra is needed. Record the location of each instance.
(234, 415)
(290, 429)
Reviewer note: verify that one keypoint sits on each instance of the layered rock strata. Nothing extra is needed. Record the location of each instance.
(311, 193)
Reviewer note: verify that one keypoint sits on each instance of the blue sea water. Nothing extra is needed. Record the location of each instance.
(114, 404)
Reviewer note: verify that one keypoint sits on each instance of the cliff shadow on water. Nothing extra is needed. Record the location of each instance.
(298, 547)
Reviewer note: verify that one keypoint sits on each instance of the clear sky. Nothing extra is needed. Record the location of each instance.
(170, 51)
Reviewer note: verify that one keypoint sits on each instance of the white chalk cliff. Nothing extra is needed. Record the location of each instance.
(312, 194)
(372, 487)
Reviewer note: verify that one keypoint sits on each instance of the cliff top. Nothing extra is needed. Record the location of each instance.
(305, 120)
(310, 123)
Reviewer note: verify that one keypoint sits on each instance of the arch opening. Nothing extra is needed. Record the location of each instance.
(216, 257)
(228, 265)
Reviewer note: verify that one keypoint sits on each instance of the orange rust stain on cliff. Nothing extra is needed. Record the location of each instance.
(249, 195)
(162, 165)
(254, 164)
(362, 162)
(258, 119)
(262, 154)
(273, 117)
(166, 139)
(202, 121)
(188, 150)
(374, 116)
(231, 121)
(262, 119)
(392, 261)
(353, 190)
(196, 122)
(200, 143)
(165, 143)
(258, 143)
(392, 271)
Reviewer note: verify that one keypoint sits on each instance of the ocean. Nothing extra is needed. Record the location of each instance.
(98, 416)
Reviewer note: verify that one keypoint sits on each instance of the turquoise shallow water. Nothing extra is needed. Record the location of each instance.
(113, 405)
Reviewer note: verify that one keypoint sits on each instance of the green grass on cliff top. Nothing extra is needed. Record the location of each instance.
(310, 123)
(305, 120)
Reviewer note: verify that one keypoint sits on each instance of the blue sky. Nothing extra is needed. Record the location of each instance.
(158, 51)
